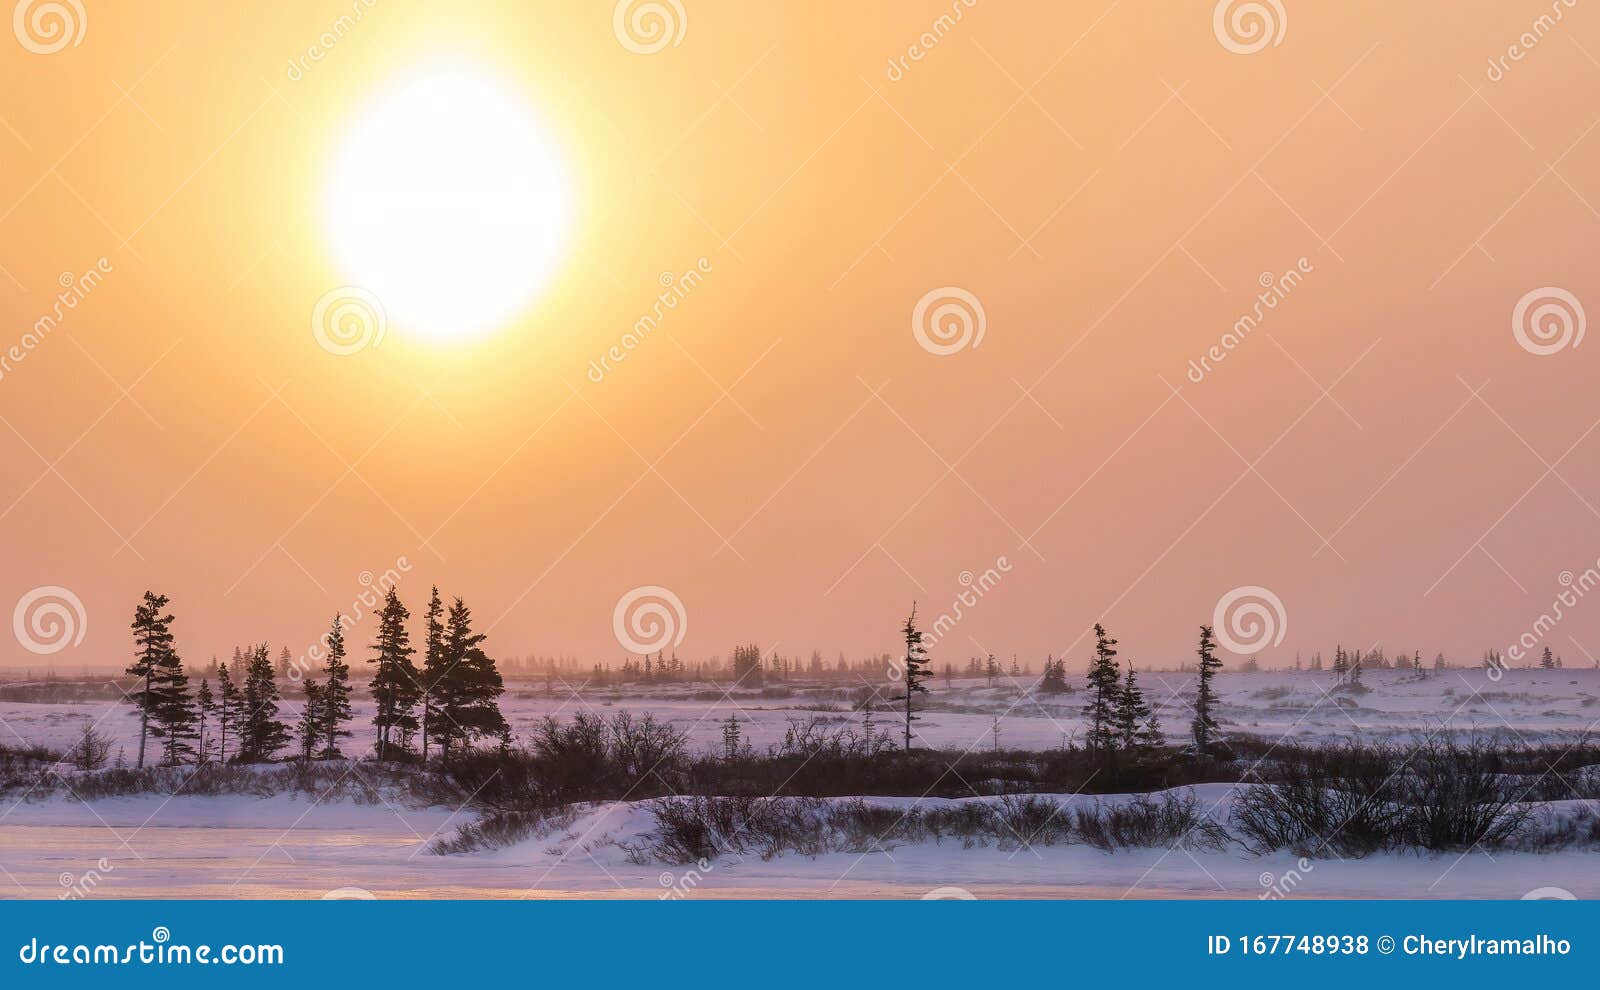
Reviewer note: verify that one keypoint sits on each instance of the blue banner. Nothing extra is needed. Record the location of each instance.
(795, 944)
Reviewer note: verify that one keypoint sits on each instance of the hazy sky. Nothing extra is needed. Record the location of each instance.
(1112, 183)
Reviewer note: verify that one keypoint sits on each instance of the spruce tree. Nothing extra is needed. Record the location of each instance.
(205, 704)
(335, 710)
(1133, 715)
(175, 719)
(469, 688)
(1054, 680)
(434, 668)
(1547, 659)
(156, 663)
(918, 668)
(261, 734)
(1204, 726)
(396, 684)
(311, 721)
(1103, 681)
(227, 708)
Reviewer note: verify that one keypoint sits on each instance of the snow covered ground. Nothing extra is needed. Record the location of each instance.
(292, 846)
(1538, 705)
(282, 848)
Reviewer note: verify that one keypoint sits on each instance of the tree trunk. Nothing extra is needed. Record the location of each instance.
(144, 716)
(908, 711)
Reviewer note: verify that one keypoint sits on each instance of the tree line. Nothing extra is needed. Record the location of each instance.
(450, 702)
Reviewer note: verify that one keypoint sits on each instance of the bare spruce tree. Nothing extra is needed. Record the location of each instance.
(335, 709)
(162, 689)
(1101, 710)
(918, 668)
(1204, 726)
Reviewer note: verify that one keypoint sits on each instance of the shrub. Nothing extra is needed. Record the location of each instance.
(1172, 819)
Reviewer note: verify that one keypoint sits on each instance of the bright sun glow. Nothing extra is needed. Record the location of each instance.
(449, 203)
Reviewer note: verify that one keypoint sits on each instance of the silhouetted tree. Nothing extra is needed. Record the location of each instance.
(470, 686)
(261, 734)
(335, 711)
(1204, 726)
(396, 684)
(1133, 715)
(1102, 704)
(918, 668)
(227, 707)
(434, 667)
(205, 704)
(156, 663)
(311, 722)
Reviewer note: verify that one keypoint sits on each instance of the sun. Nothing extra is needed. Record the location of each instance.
(449, 203)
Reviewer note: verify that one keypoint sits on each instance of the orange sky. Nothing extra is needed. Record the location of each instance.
(1109, 180)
